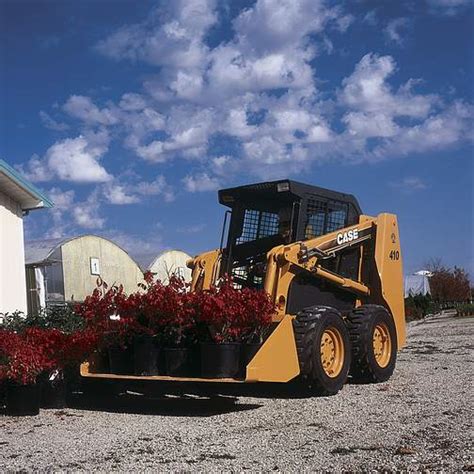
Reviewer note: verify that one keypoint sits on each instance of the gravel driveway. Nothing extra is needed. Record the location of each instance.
(420, 419)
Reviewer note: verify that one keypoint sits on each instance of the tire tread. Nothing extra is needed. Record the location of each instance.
(359, 323)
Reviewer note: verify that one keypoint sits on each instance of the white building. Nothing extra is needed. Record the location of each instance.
(67, 269)
(170, 262)
(17, 198)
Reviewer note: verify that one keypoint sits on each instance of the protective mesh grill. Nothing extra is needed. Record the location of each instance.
(337, 216)
(323, 217)
(315, 218)
(258, 224)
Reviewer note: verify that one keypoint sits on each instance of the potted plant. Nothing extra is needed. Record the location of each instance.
(20, 365)
(178, 329)
(234, 323)
(219, 312)
(140, 307)
(114, 331)
(61, 354)
(52, 343)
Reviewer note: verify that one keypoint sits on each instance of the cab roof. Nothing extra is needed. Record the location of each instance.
(284, 190)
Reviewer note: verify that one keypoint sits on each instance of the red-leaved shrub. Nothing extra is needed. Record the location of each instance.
(62, 350)
(20, 361)
(232, 314)
(101, 310)
(176, 316)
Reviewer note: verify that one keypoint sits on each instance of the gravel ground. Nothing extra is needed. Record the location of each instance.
(419, 420)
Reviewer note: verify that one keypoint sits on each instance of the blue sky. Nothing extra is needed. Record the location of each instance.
(131, 115)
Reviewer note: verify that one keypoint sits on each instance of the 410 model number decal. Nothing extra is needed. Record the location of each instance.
(394, 255)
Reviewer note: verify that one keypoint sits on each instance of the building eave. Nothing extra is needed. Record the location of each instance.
(25, 193)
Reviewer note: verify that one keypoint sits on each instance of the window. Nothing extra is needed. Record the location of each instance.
(323, 217)
(258, 224)
(315, 218)
(337, 216)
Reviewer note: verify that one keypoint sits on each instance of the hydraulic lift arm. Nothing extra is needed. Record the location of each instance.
(309, 256)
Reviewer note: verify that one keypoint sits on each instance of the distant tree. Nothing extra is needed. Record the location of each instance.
(448, 285)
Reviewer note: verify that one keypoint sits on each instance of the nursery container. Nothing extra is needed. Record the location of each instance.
(121, 360)
(178, 361)
(23, 400)
(247, 353)
(146, 354)
(52, 392)
(220, 360)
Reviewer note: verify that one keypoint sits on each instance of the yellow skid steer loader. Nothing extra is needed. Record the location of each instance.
(334, 274)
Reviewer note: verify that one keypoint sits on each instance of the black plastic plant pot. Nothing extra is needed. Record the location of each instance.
(146, 353)
(23, 400)
(220, 360)
(121, 360)
(53, 393)
(178, 361)
(247, 353)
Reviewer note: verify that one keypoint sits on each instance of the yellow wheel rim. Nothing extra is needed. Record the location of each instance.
(332, 352)
(382, 345)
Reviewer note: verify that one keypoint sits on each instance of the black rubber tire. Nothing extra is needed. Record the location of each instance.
(309, 326)
(361, 323)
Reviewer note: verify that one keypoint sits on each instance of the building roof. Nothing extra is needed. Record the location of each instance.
(40, 251)
(147, 260)
(20, 190)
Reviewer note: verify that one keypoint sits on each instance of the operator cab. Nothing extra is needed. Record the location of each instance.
(265, 215)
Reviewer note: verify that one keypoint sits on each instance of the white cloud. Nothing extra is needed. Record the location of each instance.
(192, 229)
(370, 18)
(449, 7)
(72, 159)
(367, 90)
(83, 108)
(409, 184)
(366, 124)
(63, 203)
(37, 170)
(223, 165)
(132, 102)
(117, 194)
(63, 200)
(396, 30)
(232, 73)
(269, 158)
(152, 152)
(189, 129)
(237, 123)
(439, 131)
(200, 182)
(280, 24)
(171, 36)
(404, 121)
(201, 91)
(69, 215)
(157, 187)
(120, 193)
(256, 89)
(87, 214)
(52, 124)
